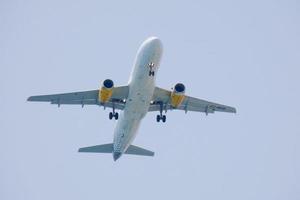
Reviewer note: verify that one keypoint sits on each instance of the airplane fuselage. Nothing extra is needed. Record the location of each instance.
(141, 88)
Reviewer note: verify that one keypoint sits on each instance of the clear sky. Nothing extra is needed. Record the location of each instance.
(240, 53)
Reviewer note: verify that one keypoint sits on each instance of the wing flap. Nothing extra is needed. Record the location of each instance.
(85, 98)
(73, 96)
(199, 105)
(188, 104)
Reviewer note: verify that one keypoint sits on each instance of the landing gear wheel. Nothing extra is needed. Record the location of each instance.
(110, 115)
(164, 118)
(116, 116)
(151, 73)
(158, 118)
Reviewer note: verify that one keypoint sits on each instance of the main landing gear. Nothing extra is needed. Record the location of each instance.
(161, 116)
(151, 71)
(113, 114)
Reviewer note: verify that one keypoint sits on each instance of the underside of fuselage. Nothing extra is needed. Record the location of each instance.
(141, 87)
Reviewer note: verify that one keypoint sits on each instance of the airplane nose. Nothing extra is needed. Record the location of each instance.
(153, 42)
(153, 39)
(116, 155)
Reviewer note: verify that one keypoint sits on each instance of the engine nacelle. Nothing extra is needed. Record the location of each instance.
(177, 95)
(105, 91)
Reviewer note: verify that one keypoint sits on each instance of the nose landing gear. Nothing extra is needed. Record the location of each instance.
(151, 71)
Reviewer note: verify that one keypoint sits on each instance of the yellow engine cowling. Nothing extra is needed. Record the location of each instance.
(106, 91)
(177, 95)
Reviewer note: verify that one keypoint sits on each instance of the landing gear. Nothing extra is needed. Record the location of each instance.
(113, 114)
(157, 118)
(164, 118)
(151, 71)
(161, 116)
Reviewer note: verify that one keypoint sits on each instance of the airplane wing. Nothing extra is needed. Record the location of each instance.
(162, 97)
(86, 98)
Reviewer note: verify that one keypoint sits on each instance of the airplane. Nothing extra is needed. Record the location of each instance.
(135, 99)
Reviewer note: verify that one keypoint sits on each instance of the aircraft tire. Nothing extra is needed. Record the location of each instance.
(157, 118)
(110, 115)
(164, 118)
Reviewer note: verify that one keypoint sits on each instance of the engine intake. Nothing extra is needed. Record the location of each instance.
(106, 91)
(108, 84)
(179, 88)
(177, 95)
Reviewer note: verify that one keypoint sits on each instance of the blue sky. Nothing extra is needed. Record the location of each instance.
(244, 54)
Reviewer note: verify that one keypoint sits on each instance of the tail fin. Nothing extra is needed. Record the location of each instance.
(104, 148)
(138, 151)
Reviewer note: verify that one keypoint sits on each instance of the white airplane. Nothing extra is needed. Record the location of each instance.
(135, 99)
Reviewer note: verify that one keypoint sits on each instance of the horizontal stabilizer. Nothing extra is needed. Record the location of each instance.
(138, 151)
(104, 148)
(108, 148)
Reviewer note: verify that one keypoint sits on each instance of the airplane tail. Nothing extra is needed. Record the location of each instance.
(108, 148)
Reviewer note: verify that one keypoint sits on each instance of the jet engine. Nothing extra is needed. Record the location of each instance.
(177, 95)
(106, 91)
